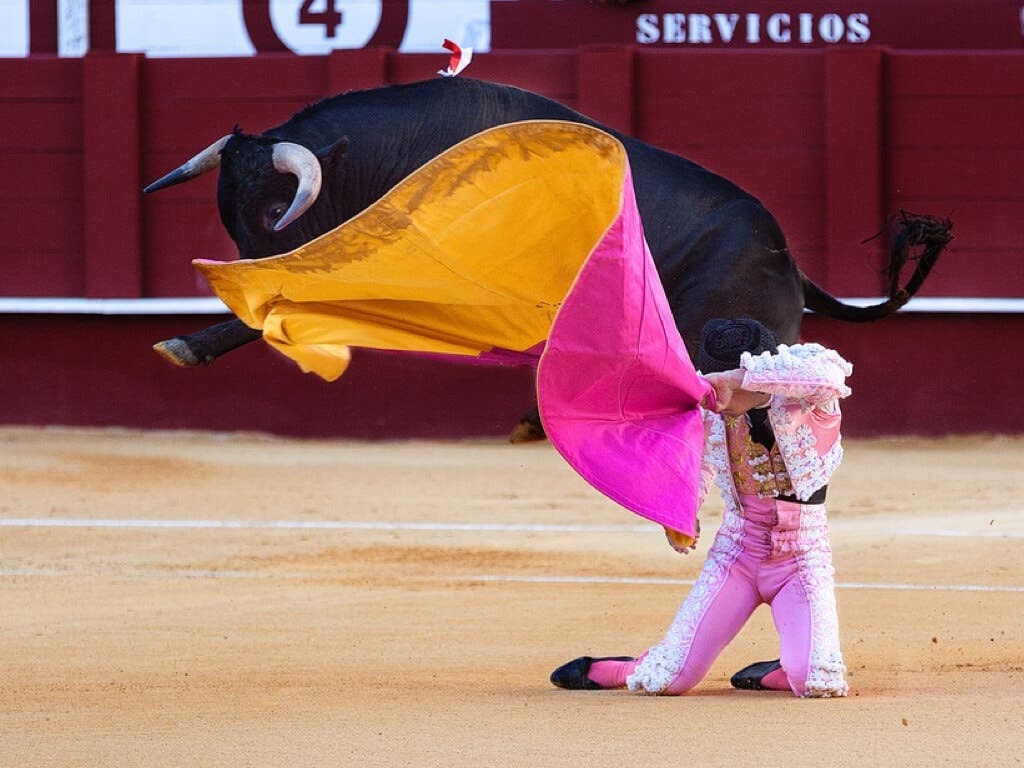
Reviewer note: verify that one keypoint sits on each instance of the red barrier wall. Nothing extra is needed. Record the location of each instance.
(831, 139)
(917, 374)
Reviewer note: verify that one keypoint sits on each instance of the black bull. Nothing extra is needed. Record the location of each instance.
(719, 252)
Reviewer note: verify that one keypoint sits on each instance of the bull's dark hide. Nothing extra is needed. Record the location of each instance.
(719, 252)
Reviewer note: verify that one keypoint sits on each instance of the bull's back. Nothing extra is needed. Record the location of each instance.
(718, 251)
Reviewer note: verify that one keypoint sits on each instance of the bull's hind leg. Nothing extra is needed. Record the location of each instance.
(205, 346)
(529, 429)
(741, 267)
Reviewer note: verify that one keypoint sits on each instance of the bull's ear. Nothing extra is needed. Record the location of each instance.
(332, 152)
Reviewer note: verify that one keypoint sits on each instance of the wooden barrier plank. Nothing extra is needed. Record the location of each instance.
(103, 25)
(111, 240)
(40, 78)
(40, 125)
(955, 149)
(703, 73)
(955, 120)
(179, 230)
(356, 70)
(40, 152)
(111, 377)
(789, 126)
(853, 169)
(764, 170)
(187, 127)
(42, 25)
(268, 77)
(606, 85)
(755, 118)
(42, 243)
(946, 73)
(981, 172)
(552, 74)
(52, 177)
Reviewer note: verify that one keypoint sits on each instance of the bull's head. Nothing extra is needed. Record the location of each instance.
(265, 189)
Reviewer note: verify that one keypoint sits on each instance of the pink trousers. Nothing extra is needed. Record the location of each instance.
(776, 553)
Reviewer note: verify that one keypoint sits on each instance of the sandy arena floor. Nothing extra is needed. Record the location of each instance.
(195, 599)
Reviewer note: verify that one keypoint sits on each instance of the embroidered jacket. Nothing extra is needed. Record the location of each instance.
(806, 382)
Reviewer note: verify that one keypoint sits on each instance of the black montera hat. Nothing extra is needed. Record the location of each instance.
(723, 341)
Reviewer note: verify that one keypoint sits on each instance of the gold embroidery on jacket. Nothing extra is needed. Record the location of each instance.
(754, 468)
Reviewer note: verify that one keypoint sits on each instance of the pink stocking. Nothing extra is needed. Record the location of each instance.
(776, 681)
(611, 674)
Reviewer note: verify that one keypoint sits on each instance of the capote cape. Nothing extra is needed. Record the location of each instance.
(521, 244)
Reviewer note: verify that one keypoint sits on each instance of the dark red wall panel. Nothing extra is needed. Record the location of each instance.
(553, 74)
(909, 377)
(188, 104)
(101, 371)
(41, 156)
(111, 243)
(831, 140)
(754, 117)
(955, 148)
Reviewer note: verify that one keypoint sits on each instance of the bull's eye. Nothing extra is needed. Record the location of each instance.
(272, 214)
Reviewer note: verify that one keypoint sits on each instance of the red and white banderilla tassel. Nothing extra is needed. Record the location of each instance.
(458, 61)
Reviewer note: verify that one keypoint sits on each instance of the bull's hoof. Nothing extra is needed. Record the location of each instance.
(527, 432)
(178, 352)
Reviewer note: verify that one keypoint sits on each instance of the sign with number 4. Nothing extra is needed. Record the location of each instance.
(320, 26)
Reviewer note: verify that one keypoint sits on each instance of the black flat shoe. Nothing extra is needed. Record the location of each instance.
(749, 678)
(573, 676)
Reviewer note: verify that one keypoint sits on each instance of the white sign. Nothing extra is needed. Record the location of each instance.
(467, 22)
(321, 26)
(182, 28)
(186, 28)
(72, 27)
(13, 28)
(752, 28)
(200, 28)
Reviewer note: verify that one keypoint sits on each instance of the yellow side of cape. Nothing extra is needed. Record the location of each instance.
(473, 251)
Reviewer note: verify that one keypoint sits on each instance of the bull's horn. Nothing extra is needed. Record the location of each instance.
(205, 161)
(300, 162)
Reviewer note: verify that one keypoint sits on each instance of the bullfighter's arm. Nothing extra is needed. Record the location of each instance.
(808, 372)
(731, 398)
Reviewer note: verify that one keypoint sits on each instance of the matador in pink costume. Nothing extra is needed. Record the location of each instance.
(771, 449)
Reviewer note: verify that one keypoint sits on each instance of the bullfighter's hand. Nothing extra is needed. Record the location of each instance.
(725, 383)
(680, 542)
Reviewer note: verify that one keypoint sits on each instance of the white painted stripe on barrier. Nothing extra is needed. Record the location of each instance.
(950, 304)
(74, 306)
(199, 305)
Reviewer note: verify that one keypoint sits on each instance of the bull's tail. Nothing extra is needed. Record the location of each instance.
(915, 238)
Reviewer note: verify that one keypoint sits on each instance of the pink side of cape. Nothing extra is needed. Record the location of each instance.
(617, 392)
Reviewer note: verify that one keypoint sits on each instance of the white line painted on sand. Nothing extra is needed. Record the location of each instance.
(359, 525)
(195, 573)
(955, 533)
(342, 525)
(690, 582)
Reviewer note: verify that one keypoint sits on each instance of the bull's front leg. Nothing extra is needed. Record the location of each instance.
(205, 346)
